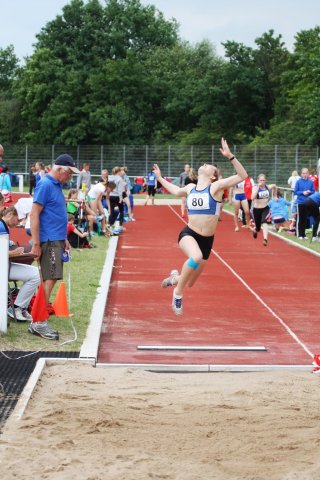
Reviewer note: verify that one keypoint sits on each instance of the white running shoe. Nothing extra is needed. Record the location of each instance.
(177, 304)
(168, 282)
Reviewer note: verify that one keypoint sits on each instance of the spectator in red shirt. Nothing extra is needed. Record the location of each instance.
(76, 238)
(314, 178)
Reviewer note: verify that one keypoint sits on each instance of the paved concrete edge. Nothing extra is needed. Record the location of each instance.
(90, 346)
(205, 367)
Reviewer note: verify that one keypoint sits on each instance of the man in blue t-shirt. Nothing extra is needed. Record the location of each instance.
(303, 189)
(48, 219)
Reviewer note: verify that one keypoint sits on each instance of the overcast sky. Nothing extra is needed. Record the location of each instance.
(218, 21)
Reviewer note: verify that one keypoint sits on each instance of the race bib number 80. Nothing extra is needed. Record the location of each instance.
(198, 201)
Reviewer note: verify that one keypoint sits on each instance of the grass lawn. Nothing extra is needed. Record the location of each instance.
(85, 271)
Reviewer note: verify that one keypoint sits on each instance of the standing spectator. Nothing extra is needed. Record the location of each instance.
(312, 206)
(116, 201)
(292, 182)
(20, 272)
(239, 199)
(32, 179)
(248, 185)
(314, 177)
(261, 209)
(303, 189)
(1, 158)
(84, 179)
(49, 231)
(129, 188)
(151, 186)
(182, 179)
(40, 172)
(192, 177)
(125, 189)
(5, 182)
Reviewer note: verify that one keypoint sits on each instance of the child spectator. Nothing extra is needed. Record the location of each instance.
(76, 238)
(279, 212)
(80, 209)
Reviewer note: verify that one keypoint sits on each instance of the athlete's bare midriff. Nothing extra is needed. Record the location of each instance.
(203, 224)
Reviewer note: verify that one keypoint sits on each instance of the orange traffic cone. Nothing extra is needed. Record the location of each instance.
(60, 305)
(39, 311)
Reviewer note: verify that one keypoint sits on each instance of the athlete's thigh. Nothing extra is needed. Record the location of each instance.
(236, 206)
(245, 205)
(190, 247)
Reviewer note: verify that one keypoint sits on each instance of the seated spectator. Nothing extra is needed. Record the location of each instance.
(23, 207)
(279, 212)
(27, 274)
(76, 238)
(80, 209)
(1, 202)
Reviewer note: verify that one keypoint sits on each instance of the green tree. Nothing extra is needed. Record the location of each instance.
(10, 70)
(71, 51)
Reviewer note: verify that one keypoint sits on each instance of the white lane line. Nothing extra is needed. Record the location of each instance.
(282, 322)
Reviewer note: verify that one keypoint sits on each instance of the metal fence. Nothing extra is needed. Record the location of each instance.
(276, 161)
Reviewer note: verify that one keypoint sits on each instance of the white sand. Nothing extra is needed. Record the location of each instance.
(125, 424)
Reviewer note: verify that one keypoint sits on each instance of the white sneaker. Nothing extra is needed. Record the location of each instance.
(18, 314)
(177, 304)
(168, 282)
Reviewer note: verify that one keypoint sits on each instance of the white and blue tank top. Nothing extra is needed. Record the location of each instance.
(202, 202)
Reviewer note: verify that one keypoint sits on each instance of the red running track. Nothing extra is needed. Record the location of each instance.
(248, 295)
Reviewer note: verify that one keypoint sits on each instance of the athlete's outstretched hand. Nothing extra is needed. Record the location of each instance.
(157, 171)
(225, 150)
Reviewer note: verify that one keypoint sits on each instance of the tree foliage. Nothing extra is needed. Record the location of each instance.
(118, 72)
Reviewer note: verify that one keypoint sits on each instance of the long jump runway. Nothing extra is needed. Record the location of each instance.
(252, 306)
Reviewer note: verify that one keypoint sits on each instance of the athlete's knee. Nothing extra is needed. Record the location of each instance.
(193, 263)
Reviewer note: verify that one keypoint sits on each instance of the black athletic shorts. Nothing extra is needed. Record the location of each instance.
(205, 243)
(151, 190)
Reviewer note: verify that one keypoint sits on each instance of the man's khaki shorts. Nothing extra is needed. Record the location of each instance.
(50, 261)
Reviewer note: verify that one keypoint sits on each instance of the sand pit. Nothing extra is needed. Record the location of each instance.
(98, 424)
